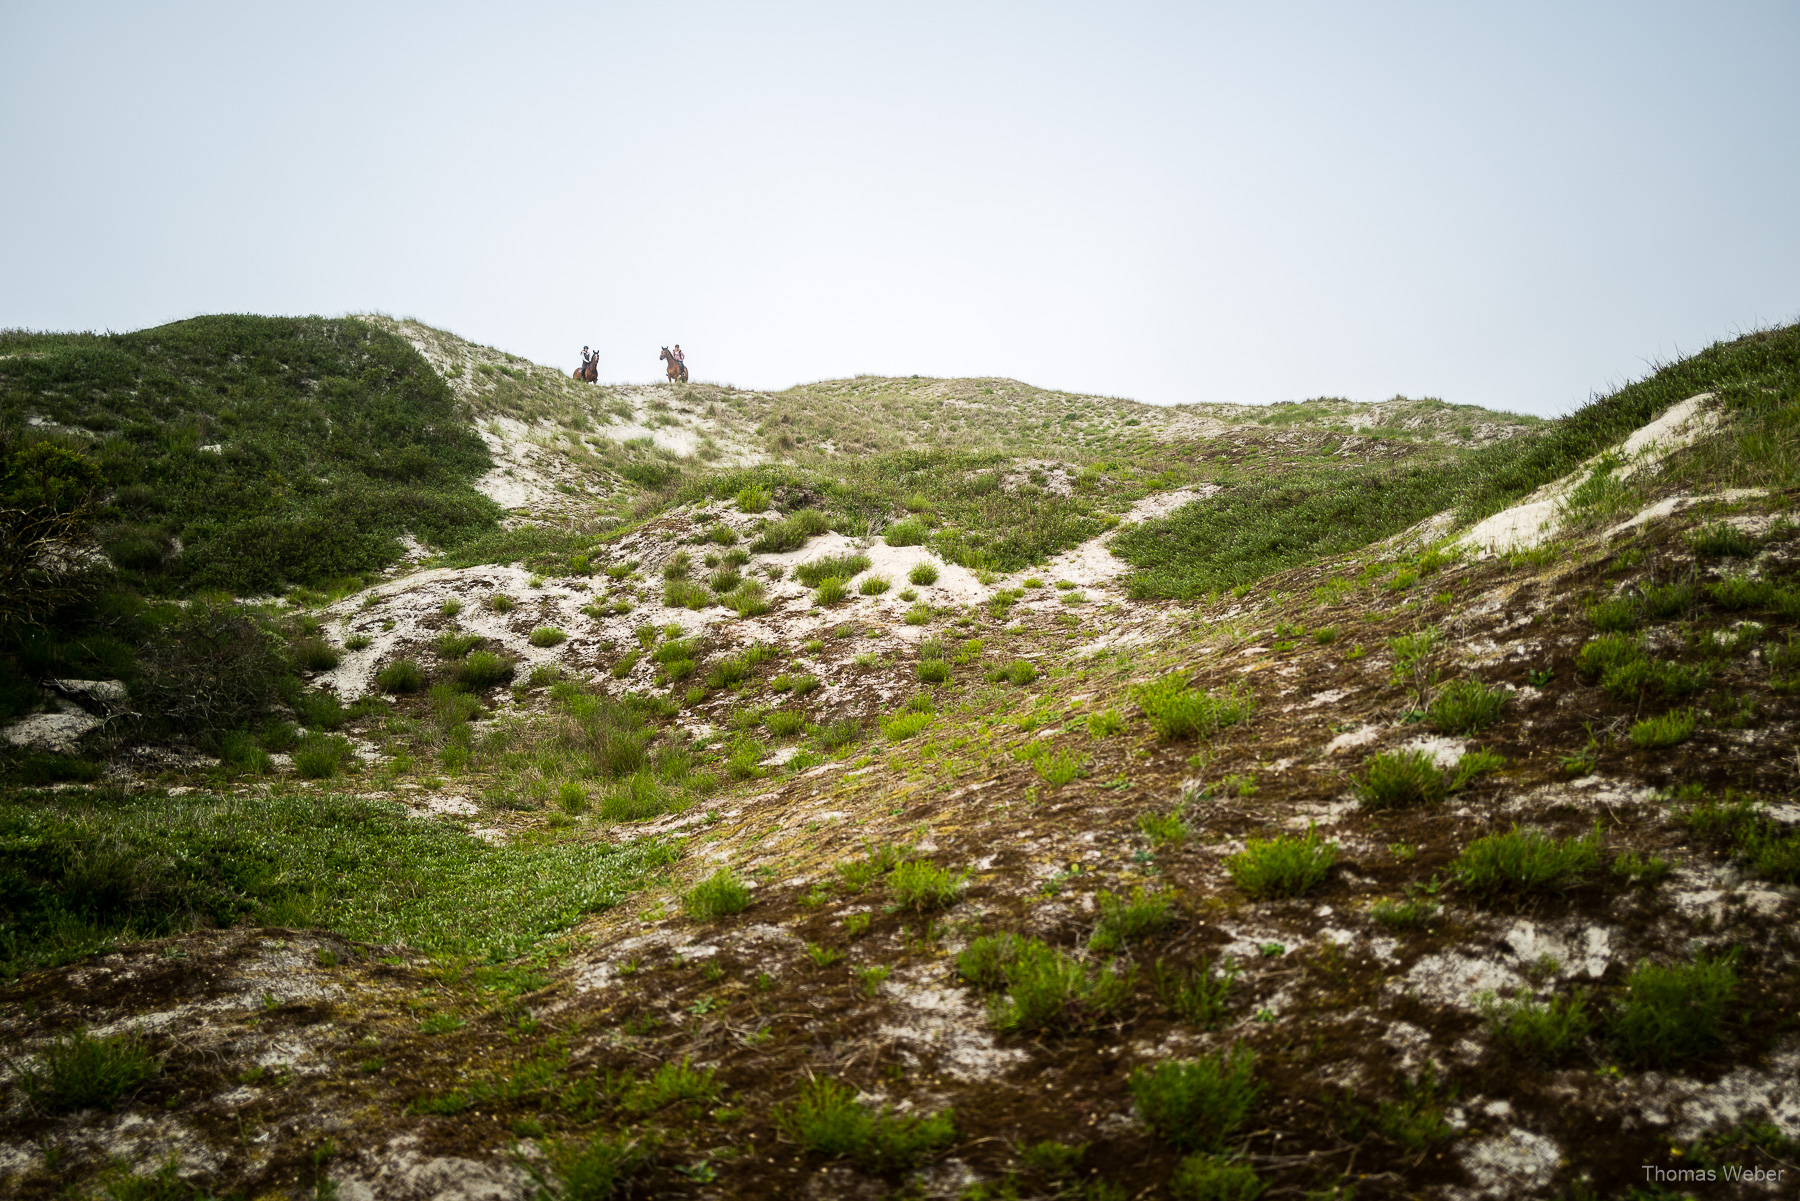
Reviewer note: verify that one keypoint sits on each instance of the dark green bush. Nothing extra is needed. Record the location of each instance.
(211, 667)
(1198, 1104)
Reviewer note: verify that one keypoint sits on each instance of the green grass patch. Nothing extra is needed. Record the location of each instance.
(1123, 922)
(1196, 994)
(1525, 863)
(828, 1120)
(548, 636)
(923, 886)
(1465, 707)
(791, 532)
(1668, 729)
(401, 676)
(90, 870)
(79, 1071)
(1547, 1033)
(1177, 710)
(923, 574)
(1047, 990)
(1673, 1013)
(1284, 866)
(1198, 1104)
(719, 895)
(842, 567)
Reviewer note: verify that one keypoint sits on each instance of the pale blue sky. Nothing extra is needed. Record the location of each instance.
(1508, 205)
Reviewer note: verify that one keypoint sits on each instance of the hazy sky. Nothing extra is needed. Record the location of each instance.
(1510, 204)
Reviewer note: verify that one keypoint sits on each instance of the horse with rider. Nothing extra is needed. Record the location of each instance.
(677, 363)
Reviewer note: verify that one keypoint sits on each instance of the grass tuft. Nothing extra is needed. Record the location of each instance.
(1284, 866)
(923, 886)
(1673, 1013)
(1178, 711)
(923, 574)
(547, 636)
(400, 676)
(1527, 862)
(79, 1071)
(1123, 922)
(1546, 1033)
(828, 1120)
(1465, 707)
(1671, 728)
(719, 895)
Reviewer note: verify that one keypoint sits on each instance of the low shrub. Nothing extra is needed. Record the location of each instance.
(1546, 1033)
(1058, 768)
(902, 726)
(454, 644)
(1664, 601)
(750, 599)
(843, 567)
(1721, 540)
(499, 602)
(836, 735)
(1123, 922)
(1196, 994)
(791, 532)
(719, 895)
(1607, 653)
(1526, 862)
(1215, 1178)
(1413, 914)
(1198, 1104)
(1163, 829)
(626, 662)
(734, 669)
(1675, 1012)
(1020, 672)
(686, 594)
(784, 723)
(1103, 723)
(1284, 866)
(1617, 614)
(827, 1119)
(922, 886)
(1048, 990)
(1395, 779)
(548, 636)
(358, 642)
(874, 585)
(831, 591)
(923, 574)
(918, 614)
(1178, 711)
(1653, 733)
(1766, 847)
(320, 756)
(637, 797)
(724, 580)
(483, 670)
(596, 1170)
(400, 676)
(910, 532)
(1465, 707)
(79, 1071)
(316, 654)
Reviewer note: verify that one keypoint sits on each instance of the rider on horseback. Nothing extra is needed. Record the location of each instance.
(679, 357)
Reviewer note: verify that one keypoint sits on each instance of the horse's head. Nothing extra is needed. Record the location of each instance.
(664, 354)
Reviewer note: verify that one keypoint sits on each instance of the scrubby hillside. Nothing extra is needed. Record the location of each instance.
(1234, 801)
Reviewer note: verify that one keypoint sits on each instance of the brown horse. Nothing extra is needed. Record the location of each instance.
(589, 371)
(677, 368)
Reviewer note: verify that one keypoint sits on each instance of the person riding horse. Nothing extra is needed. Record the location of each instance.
(590, 365)
(677, 363)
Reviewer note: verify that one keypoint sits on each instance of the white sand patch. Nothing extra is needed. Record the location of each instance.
(1444, 751)
(1518, 1163)
(1350, 740)
(1455, 979)
(1537, 518)
(1670, 505)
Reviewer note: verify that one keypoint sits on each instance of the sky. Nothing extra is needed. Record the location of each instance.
(1514, 205)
